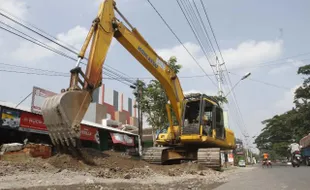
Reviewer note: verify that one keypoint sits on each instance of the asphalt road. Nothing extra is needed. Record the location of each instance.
(278, 177)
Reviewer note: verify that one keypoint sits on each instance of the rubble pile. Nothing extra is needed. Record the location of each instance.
(63, 169)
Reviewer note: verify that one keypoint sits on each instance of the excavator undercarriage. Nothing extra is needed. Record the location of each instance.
(206, 157)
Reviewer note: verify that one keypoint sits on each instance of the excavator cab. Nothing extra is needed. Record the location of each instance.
(202, 115)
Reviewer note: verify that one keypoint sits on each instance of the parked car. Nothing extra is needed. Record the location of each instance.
(241, 163)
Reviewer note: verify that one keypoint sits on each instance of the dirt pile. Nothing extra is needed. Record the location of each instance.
(106, 165)
(118, 165)
(109, 168)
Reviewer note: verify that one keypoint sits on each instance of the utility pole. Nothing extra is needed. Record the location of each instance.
(219, 78)
(138, 92)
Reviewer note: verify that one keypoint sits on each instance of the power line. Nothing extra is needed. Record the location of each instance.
(31, 68)
(62, 73)
(185, 12)
(204, 28)
(33, 73)
(58, 44)
(229, 80)
(23, 25)
(263, 82)
(33, 26)
(181, 42)
(54, 50)
(37, 43)
(72, 47)
(264, 64)
(55, 75)
(204, 9)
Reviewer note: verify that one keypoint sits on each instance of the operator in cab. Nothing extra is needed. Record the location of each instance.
(206, 125)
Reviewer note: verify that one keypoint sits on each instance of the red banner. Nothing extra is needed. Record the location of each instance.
(122, 139)
(32, 121)
(89, 134)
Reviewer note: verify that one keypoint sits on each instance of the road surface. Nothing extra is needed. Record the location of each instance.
(278, 177)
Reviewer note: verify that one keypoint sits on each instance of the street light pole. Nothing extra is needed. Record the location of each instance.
(244, 77)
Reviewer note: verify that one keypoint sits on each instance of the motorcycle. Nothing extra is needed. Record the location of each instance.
(296, 159)
(267, 163)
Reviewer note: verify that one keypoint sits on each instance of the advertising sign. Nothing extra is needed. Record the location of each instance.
(38, 96)
(89, 134)
(10, 118)
(32, 123)
(124, 139)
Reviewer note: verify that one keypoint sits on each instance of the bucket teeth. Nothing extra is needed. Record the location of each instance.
(63, 114)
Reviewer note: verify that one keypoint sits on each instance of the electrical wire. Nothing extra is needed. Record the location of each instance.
(33, 73)
(263, 82)
(204, 28)
(21, 24)
(62, 73)
(204, 9)
(31, 68)
(53, 50)
(181, 42)
(188, 18)
(229, 80)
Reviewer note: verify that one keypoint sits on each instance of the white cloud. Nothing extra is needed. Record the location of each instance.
(286, 102)
(279, 70)
(15, 7)
(74, 37)
(182, 56)
(29, 52)
(290, 63)
(246, 53)
(252, 52)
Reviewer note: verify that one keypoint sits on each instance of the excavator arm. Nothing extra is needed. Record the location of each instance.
(64, 112)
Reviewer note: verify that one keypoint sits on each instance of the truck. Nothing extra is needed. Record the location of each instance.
(305, 149)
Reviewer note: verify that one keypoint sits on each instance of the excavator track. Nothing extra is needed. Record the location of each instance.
(209, 157)
(153, 155)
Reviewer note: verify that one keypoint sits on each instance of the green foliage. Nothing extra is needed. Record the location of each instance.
(154, 99)
(280, 130)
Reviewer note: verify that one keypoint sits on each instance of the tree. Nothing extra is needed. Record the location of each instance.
(154, 99)
(293, 124)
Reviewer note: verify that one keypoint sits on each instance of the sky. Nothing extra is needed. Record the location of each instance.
(248, 33)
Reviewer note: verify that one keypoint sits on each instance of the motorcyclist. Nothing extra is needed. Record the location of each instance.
(265, 157)
(294, 147)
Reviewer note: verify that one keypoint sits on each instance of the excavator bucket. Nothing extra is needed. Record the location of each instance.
(63, 114)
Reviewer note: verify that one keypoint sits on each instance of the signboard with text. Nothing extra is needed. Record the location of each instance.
(124, 139)
(38, 96)
(32, 122)
(89, 134)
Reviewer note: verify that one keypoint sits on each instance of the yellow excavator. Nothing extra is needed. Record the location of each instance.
(200, 133)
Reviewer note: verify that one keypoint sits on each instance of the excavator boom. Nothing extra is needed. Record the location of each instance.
(64, 112)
